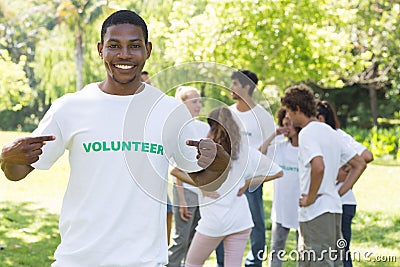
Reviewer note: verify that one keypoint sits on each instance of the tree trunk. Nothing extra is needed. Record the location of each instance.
(374, 105)
(79, 61)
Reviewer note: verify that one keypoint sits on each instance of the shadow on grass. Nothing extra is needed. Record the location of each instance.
(28, 235)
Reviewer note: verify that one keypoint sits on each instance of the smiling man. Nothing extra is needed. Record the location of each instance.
(120, 134)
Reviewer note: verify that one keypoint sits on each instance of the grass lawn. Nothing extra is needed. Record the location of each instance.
(29, 216)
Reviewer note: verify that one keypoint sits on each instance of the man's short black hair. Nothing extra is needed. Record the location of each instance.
(246, 77)
(124, 17)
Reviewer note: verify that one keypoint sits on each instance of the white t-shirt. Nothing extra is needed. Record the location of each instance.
(114, 210)
(349, 198)
(287, 188)
(256, 125)
(319, 139)
(230, 213)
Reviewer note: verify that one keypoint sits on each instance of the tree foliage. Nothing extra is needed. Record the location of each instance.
(15, 91)
(344, 49)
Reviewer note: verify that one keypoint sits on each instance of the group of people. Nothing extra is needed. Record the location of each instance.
(123, 135)
(321, 172)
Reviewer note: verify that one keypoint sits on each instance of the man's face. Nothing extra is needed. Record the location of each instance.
(237, 90)
(293, 116)
(124, 53)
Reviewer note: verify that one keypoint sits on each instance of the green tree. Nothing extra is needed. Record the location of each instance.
(15, 91)
(77, 14)
(328, 44)
(376, 41)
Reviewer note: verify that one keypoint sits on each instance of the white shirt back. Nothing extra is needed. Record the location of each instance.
(319, 139)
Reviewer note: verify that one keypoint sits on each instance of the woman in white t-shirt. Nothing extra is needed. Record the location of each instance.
(186, 206)
(228, 218)
(284, 213)
(325, 113)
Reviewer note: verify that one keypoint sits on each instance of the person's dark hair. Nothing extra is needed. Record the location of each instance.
(224, 130)
(326, 110)
(145, 72)
(280, 114)
(302, 97)
(124, 17)
(246, 77)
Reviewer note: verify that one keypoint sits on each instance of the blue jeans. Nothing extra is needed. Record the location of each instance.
(349, 211)
(219, 251)
(257, 237)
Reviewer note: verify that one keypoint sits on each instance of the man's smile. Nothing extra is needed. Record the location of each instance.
(124, 67)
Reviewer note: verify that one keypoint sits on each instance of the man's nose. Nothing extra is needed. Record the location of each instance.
(125, 52)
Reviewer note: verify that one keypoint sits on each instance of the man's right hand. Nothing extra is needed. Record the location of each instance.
(25, 150)
(184, 213)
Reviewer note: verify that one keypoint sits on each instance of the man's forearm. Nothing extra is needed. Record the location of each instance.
(264, 147)
(317, 174)
(358, 166)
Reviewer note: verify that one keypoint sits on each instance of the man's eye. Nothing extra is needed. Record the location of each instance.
(112, 46)
(135, 46)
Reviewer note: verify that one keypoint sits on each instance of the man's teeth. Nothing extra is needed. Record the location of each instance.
(125, 67)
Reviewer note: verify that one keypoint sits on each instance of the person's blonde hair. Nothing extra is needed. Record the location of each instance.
(182, 92)
(224, 130)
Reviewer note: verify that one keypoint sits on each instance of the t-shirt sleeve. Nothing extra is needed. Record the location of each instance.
(177, 130)
(52, 150)
(347, 152)
(358, 147)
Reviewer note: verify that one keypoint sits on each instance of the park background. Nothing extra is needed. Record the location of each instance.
(348, 51)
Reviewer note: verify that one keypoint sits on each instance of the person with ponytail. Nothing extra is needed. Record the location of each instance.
(228, 218)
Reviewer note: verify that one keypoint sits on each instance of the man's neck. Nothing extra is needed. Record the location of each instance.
(244, 105)
(307, 120)
(115, 88)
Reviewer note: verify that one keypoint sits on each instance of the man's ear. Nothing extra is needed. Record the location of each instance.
(321, 118)
(247, 88)
(149, 47)
(100, 49)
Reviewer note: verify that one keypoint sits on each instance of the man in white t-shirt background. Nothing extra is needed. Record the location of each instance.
(321, 154)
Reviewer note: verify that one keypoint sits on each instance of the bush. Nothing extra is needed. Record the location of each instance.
(382, 142)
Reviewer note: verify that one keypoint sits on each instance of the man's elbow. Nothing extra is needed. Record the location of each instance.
(279, 174)
(367, 156)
